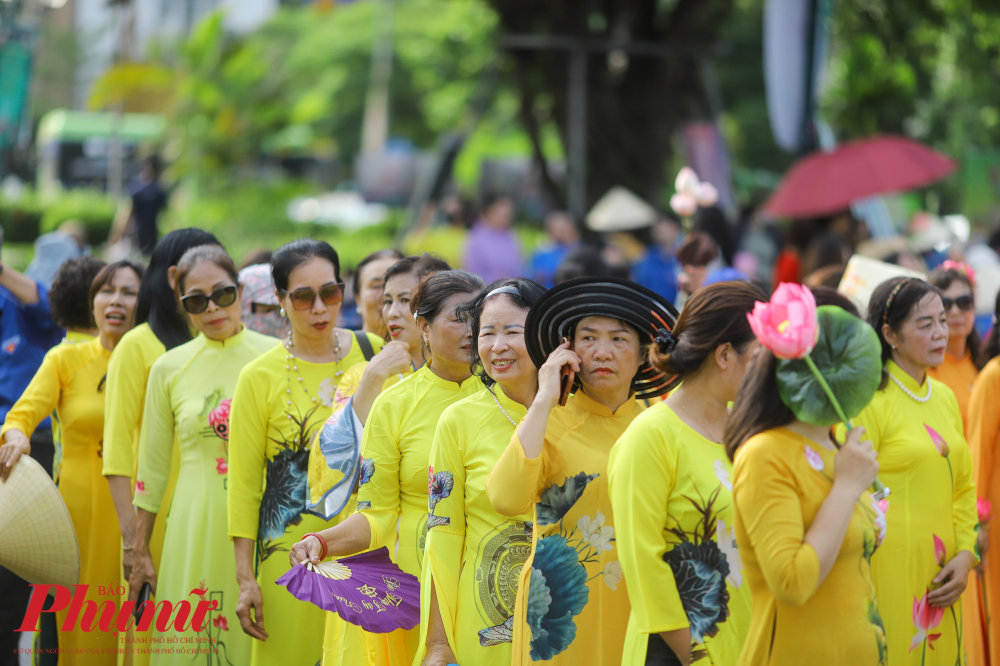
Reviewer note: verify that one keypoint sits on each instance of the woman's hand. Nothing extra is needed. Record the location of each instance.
(439, 655)
(15, 445)
(984, 545)
(128, 560)
(855, 465)
(550, 375)
(251, 599)
(142, 571)
(309, 549)
(393, 359)
(952, 578)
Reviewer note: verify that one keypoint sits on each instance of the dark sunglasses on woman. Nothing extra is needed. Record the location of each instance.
(198, 303)
(302, 299)
(963, 302)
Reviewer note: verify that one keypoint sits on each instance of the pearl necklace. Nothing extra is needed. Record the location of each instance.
(502, 410)
(293, 366)
(910, 393)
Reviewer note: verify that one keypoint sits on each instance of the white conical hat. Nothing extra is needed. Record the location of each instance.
(620, 210)
(37, 539)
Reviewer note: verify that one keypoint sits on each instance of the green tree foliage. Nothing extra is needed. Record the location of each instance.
(929, 69)
(307, 69)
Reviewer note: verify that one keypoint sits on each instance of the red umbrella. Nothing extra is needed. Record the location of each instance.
(824, 183)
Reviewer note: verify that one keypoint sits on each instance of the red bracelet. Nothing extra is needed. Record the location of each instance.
(322, 542)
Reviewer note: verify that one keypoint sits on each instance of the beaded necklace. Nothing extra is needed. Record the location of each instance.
(910, 393)
(502, 410)
(292, 366)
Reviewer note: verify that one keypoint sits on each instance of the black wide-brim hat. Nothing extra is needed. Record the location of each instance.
(555, 315)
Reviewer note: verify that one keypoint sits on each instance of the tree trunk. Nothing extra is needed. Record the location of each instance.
(632, 114)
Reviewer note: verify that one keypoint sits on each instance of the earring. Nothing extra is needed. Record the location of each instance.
(893, 346)
(281, 312)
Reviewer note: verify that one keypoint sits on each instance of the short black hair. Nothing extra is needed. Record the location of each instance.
(882, 310)
(68, 297)
(291, 255)
(389, 253)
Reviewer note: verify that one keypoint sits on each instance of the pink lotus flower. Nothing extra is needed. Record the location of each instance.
(706, 195)
(686, 181)
(883, 505)
(925, 618)
(140, 486)
(221, 466)
(221, 622)
(985, 510)
(939, 443)
(940, 552)
(684, 204)
(787, 325)
(218, 418)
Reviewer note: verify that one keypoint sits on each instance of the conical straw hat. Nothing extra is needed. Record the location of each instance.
(37, 539)
(620, 210)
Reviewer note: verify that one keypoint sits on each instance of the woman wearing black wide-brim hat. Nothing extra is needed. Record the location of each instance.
(672, 498)
(588, 337)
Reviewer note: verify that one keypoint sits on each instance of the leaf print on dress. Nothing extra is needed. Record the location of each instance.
(556, 501)
(501, 633)
(558, 592)
(286, 487)
(363, 505)
(700, 570)
(875, 619)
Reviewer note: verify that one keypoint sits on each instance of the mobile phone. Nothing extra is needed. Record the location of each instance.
(566, 377)
(140, 603)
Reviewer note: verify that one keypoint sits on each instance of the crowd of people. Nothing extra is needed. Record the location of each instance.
(578, 467)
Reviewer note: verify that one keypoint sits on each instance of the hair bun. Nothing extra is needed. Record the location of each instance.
(665, 341)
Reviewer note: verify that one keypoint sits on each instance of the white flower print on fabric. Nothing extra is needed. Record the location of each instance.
(595, 533)
(613, 574)
(722, 474)
(814, 459)
(327, 389)
(727, 544)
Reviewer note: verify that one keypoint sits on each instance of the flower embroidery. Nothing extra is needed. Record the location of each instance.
(722, 474)
(700, 572)
(939, 443)
(367, 470)
(613, 574)
(221, 622)
(595, 533)
(557, 593)
(327, 389)
(925, 618)
(881, 524)
(556, 501)
(502, 633)
(364, 504)
(727, 544)
(140, 487)
(814, 459)
(218, 418)
(940, 552)
(439, 487)
(221, 466)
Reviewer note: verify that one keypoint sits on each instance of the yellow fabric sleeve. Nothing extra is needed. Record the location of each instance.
(770, 509)
(641, 476)
(125, 394)
(156, 441)
(39, 398)
(983, 427)
(516, 480)
(380, 445)
(247, 450)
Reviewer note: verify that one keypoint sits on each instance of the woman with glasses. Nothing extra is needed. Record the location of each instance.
(474, 554)
(281, 400)
(188, 397)
(71, 381)
(962, 360)
(392, 498)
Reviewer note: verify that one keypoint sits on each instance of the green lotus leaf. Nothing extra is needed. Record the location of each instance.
(848, 356)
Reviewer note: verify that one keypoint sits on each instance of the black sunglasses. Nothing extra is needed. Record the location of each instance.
(963, 302)
(302, 299)
(198, 303)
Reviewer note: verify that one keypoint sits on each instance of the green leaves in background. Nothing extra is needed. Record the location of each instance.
(849, 357)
